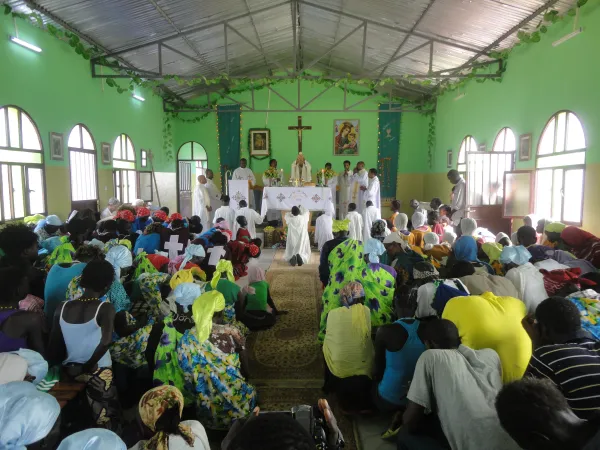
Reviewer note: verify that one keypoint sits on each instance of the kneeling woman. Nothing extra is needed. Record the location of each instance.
(257, 310)
(84, 327)
(348, 350)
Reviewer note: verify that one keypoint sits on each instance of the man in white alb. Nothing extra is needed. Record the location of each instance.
(370, 215)
(301, 169)
(332, 183)
(355, 230)
(361, 181)
(244, 173)
(252, 217)
(297, 246)
(372, 191)
(226, 212)
(459, 197)
(324, 226)
(214, 192)
(345, 182)
(202, 207)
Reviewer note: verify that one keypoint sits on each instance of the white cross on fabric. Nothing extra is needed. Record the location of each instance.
(173, 246)
(215, 255)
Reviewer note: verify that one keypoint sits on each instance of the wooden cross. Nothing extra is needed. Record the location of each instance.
(299, 129)
(173, 246)
(216, 253)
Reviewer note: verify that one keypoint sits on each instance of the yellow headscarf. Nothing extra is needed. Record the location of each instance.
(340, 225)
(203, 309)
(223, 266)
(492, 250)
(186, 276)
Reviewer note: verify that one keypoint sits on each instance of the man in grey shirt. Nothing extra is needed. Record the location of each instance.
(459, 385)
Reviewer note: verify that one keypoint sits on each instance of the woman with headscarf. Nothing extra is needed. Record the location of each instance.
(192, 257)
(379, 230)
(434, 249)
(142, 220)
(419, 224)
(224, 281)
(449, 237)
(395, 206)
(493, 252)
(149, 242)
(347, 264)
(259, 311)
(465, 249)
(28, 418)
(209, 378)
(401, 225)
(240, 253)
(583, 245)
(503, 239)
(551, 237)
(93, 439)
(527, 279)
(348, 350)
(375, 252)
(160, 411)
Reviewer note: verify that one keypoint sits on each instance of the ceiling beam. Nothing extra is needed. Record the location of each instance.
(441, 40)
(407, 36)
(316, 60)
(262, 50)
(518, 26)
(337, 30)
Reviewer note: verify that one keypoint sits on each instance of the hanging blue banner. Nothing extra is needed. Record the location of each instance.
(388, 148)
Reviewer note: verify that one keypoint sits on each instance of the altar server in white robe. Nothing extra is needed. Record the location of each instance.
(345, 182)
(214, 192)
(226, 212)
(251, 216)
(332, 183)
(324, 226)
(361, 179)
(202, 207)
(356, 223)
(370, 216)
(297, 246)
(272, 214)
(301, 169)
(372, 193)
(244, 173)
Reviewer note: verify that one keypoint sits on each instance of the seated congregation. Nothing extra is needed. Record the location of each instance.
(462, 339)
(112, 336)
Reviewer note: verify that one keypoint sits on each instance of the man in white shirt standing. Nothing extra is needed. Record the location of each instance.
(214, 192)
(301, 169)
(252, 217)
(345, 182)
(361, 179)
(372, 192)
(459, 197)
(355, 230)
(370, 215)
(244, 173)
(332, 183)
(297, 246)
(226, 212)
(202, 207)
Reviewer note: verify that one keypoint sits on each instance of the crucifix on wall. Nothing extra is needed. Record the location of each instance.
(299, 129)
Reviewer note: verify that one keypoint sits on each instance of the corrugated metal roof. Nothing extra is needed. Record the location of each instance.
(267, 30)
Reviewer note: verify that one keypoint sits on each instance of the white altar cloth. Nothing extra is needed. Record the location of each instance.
(284, 198)
(238, 191)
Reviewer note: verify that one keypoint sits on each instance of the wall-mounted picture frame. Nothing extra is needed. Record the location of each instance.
(57, 150)
(449, 159)
(482, 147)
(525, 147)
(346, 137)
(106, 153)
(259, 141)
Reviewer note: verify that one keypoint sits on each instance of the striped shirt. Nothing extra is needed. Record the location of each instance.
(575, 368)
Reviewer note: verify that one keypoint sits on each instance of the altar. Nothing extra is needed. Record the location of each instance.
(313, 198)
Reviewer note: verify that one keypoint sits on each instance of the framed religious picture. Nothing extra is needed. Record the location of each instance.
(525, 147)
(57, 152)
(346, 137)
(449, 159)
(259, 141)
(106, 153)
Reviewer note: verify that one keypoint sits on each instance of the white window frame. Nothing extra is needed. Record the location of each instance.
(89, 177)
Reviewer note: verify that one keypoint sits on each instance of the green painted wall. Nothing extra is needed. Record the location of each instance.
(56, 89)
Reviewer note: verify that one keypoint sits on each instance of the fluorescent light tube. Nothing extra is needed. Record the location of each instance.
(459, 96)
(567, 37)
(25, 44)
(137, 97)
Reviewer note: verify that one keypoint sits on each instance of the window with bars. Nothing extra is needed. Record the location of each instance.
(144, 158)
(22, 184)
(82, 162)
(560, 169)
(468, 144)
(124, 174)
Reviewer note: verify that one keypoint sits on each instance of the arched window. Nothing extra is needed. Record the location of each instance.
(505, 141)
(82, 162)
(124, 174)
(560, 169)
(22, 187)
(191, 162)
(468, 144)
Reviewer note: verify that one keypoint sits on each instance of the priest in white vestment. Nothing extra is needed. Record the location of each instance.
(226, 212)
(332, 183)
(297, 245)
(252, 217)
(372, 193)
(361, 180)
(244, 173)
(324, 226)
(202, 207)
(214, 192)
(370, 216)
(355, 230)
(272, 214)
(301, 169)
(345, 182)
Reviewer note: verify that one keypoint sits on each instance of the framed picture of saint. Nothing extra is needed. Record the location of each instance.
(259, 141)
(346, 138)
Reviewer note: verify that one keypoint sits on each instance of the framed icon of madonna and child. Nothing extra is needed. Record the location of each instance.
(346, 137)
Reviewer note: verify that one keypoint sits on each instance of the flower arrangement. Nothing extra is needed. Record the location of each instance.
(271, 172)
(269, 229)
